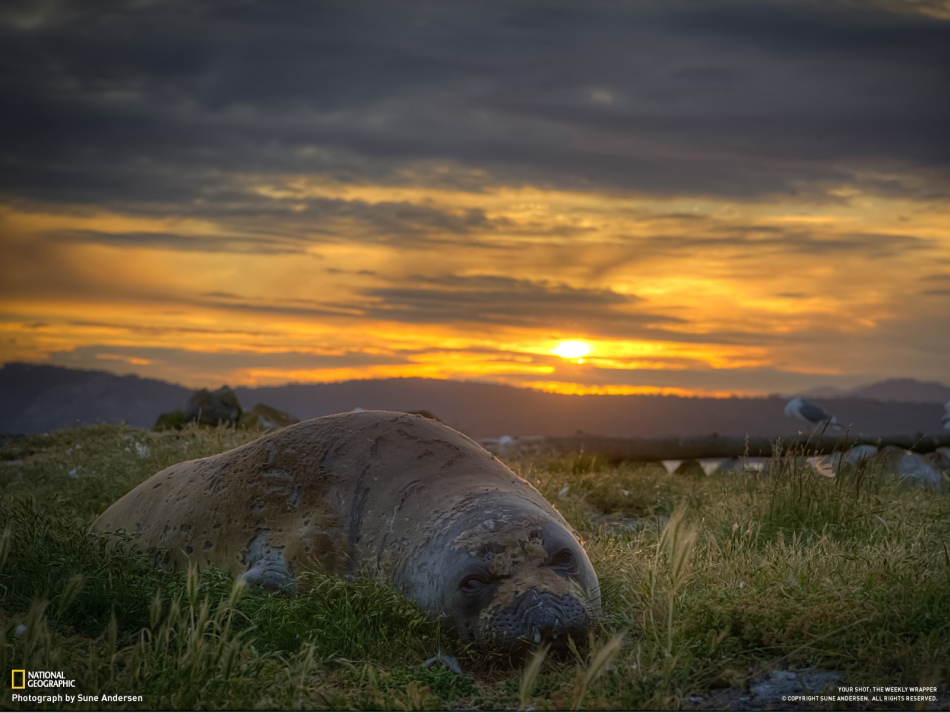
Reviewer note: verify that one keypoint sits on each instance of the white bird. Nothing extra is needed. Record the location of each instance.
(812, 413)
(946, 416)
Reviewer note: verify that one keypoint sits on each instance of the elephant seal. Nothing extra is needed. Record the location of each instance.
(393, 496)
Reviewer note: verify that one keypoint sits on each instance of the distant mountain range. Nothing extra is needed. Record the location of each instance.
(37, 398)
(909, 390)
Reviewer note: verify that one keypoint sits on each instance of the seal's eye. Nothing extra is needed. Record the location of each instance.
(564, 558)
(471, 585)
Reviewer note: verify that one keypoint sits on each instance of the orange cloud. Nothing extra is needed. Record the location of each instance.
(653, 285)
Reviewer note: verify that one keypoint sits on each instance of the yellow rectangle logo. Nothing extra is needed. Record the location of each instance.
(18, 674)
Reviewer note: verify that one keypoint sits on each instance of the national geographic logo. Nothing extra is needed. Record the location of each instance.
(21, 679)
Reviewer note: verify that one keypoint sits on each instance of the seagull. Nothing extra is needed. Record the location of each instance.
(946, 416)
(806, 411)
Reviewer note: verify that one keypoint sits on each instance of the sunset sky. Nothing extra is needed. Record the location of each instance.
(717, 197)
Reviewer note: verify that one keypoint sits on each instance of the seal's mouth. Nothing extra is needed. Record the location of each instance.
(538, 617)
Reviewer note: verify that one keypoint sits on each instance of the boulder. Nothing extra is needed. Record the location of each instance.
(940, 458)
(171, 421)
(910, 467)
(745, 465)
(913, 468)
(206, 408)
(265, 418)
(213, 408)
(859, 454)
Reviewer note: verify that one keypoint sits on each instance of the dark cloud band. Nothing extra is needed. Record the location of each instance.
(161, 102)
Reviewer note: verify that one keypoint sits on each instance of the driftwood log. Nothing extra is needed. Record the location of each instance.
(715, 446)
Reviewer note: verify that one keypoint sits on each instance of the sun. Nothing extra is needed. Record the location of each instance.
(572, 349)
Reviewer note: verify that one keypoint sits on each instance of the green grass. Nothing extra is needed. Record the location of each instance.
(707, 582)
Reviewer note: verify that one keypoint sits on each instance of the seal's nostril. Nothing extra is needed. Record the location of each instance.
(549, 616)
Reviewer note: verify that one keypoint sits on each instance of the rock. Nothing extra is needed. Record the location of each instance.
(213, 408)
(505, 445)
(508, 446)
(729, 465)
(206, 408)
(910, 467)
(914, 469)
(619, 524)
(773, 692)
(266, 418)
(758, 466)
(171, 421)
(859, 454)
(771, 688)
(940, 458)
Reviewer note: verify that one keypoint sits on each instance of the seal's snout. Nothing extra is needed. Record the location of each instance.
(543, 616)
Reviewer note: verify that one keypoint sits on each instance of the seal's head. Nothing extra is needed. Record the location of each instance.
(509, 574)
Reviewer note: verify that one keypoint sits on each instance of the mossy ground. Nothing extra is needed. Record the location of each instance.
(707, 582)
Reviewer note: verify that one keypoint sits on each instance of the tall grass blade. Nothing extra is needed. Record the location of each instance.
(529, 675)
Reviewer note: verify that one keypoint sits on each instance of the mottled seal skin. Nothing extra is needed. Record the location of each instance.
(393, 496)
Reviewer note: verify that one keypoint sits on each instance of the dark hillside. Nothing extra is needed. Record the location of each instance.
(37, 398)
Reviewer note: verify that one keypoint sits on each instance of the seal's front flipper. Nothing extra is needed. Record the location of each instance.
(270, 578)
(450, 662)
(267, 566)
